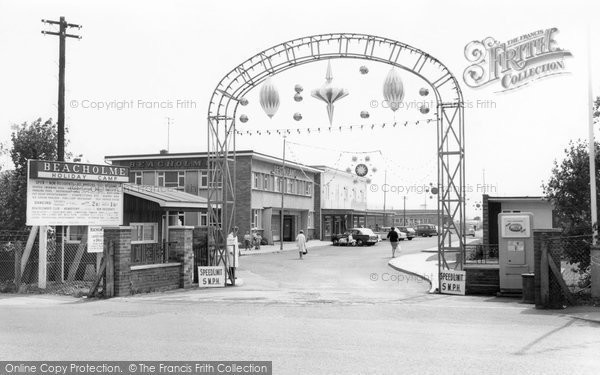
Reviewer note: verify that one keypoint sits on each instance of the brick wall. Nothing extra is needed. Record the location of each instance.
(317, 205)
(482, 279)
(155, 278)
(121, 239)
(243, 195)
(183, 248)
(486, 220)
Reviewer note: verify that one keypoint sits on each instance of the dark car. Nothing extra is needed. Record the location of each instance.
(362, 236)
(410, 232)
(344, 239)
(426, 230)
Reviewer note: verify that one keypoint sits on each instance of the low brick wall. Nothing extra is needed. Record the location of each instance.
(155, 278)
(482, 278)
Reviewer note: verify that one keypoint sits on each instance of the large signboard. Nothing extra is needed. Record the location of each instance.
(452, 282)
(74, 194)
(211, 277)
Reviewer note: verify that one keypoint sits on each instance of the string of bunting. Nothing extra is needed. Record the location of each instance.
(330, 129)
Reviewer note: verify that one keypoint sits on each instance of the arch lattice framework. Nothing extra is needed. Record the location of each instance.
(249, 74)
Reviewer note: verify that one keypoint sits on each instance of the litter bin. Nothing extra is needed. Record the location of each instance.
(528, 287)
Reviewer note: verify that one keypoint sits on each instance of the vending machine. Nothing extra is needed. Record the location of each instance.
(515, 249)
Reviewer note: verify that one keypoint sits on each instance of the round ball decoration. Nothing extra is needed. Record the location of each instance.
(297, 116)
(363, 70)
(367, 158)
(364, 114)
(361, 170)
(244, 101)
(244, 119)
(298, 97)
(269, 98)
(298, 88)
(349, 170)
(368, 181)
(374, 169)
(434, 190)
(393, 90)
(424, 109)
(354, 158)
(423, 91)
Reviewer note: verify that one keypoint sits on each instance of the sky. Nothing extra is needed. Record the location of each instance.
(165, 58)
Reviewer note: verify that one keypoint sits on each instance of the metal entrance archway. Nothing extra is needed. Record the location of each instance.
(249, 74)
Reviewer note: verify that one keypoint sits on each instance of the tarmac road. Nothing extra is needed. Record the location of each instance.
(322, 315)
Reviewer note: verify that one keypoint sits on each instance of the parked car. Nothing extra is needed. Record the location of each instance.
(344, 239)
(385, 230)
(408, 231)
(362, 236)
(470, 231)
(426, 230)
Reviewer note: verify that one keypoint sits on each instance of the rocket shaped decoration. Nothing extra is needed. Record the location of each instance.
(269, 98)
(329, 94)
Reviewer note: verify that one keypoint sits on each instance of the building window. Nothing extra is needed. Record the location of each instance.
(278, 184)
(176, 218)
(204, 179)
(181, 179)
(75, 233)
(138, 178)
(309, 188)
(144, 233)
(266, 185)
(256, 180)
(161, 179)
(203, 219)
(257, 219)
(310, 221)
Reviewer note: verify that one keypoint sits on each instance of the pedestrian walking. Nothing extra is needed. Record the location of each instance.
(393, 237)
(257, 239)
(301, 242)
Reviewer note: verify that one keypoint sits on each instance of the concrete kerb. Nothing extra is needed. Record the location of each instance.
(287, 246)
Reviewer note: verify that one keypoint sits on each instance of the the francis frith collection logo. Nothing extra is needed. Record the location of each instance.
(514, 63)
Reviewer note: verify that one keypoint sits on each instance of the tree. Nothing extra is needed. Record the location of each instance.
(568, 189)
(36, 140)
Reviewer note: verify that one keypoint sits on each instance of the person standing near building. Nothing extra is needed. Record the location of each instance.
(233, 252)
(393, 237)
(247, 241)
(301, 242)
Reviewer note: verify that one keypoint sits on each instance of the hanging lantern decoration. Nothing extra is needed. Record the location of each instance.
(364, 114)
(298, 97)
(423, 91)
(244, 101)
(269, 98)
(297, 116)
(329, 94)
(424, 109)
(244, 118)
(361, 170)
(298, 88)
(363, 70)
(393, 90)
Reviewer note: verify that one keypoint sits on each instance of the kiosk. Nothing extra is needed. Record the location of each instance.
(515, 249)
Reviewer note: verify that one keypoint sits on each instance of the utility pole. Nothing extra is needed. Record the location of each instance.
(384, 199)
(60, 149)
(283, 187)
(168, 133)
(404, 210)
(62, 36)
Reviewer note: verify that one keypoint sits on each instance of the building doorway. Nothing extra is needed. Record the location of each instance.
(288, 228)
